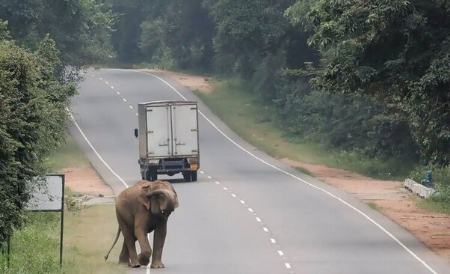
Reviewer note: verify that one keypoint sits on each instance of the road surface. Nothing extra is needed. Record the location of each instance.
(248, 213)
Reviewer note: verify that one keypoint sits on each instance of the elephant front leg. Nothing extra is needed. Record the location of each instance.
(159, 238)
(146, 250)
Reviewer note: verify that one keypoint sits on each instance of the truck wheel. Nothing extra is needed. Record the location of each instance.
(187, 176)
(194, 176)
(151, 175)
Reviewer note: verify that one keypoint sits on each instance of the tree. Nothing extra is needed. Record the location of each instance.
(32, 122)
(394, 51)
(80, 28)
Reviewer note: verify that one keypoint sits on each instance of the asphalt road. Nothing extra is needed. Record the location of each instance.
(248, 213)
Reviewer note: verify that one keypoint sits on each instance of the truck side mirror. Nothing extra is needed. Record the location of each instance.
(136, 132)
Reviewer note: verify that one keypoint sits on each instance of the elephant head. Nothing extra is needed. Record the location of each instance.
(159, 198)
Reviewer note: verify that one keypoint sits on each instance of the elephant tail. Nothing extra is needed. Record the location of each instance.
(115, 241)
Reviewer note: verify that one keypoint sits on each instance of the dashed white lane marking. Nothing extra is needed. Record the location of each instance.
(118, 93)
(106, 82)
(131, 107)
(100, 78)
(287, 265)
(125, 100)
(112, 87)
(137, 114)
(95, 151)
(272, 240)
(202, 172)
(389, 234)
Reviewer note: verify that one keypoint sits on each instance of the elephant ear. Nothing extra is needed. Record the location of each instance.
(175, 198)
(146, 201)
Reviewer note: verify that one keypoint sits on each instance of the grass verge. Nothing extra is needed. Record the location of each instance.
(68, 155)
(254, 121)
(88, 234)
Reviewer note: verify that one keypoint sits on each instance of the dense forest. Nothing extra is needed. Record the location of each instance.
(366, 76)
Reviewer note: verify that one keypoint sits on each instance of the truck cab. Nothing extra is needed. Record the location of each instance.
(168, 139)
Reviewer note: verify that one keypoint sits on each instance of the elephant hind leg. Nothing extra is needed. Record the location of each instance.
(124, 257)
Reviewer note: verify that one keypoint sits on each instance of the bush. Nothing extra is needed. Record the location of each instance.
(32, 123)
(346, 122)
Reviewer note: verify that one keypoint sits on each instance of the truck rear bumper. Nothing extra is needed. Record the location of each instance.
(169, 166)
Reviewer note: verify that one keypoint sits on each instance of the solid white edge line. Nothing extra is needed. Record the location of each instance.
(95, 151)
(303, 181)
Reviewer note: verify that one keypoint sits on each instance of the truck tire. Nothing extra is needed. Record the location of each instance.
(187, 176)
(151, 174)
(194, 176)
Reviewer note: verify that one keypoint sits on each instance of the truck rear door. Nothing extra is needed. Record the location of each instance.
(185, 129)
(158, 131)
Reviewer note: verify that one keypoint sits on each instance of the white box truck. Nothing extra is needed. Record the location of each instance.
(168, 139)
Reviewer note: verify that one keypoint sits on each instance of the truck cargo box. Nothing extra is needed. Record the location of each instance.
(168, 139)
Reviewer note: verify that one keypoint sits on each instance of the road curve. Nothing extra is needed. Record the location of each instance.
(248, 213)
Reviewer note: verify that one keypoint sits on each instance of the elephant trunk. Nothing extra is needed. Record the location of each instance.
(115, 241)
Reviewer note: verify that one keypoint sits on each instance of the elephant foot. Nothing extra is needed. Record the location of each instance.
(157, 265)
(134, 265)
(144, 258)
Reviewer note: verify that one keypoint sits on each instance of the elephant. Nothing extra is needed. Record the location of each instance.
(141, 209)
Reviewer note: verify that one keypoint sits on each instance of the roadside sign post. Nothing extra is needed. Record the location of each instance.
(50, 199)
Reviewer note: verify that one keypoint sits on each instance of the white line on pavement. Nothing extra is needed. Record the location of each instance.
(95, 151)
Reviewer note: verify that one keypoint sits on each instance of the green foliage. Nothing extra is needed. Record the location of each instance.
(32, 121)
(441, 180)
(247, 32)
(348, 122)
(80, 28)
(394, 51)
(35, 248)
